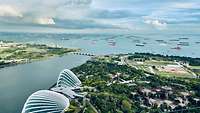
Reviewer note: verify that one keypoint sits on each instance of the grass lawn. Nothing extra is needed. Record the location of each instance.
(159, 63)
(195, 67)
(167, 74)
(146, 67)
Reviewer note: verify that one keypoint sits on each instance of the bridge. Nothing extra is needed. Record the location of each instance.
(84, 54)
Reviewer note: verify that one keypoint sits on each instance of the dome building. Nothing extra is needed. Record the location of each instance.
(57, 99)
(46, 101)
(67, 79)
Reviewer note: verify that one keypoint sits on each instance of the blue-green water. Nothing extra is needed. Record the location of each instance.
(103, 44)
(18, 82)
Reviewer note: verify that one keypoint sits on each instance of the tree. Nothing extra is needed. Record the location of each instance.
(126, 106)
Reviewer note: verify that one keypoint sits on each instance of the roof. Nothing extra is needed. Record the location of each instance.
(68, 79)
(46, 101)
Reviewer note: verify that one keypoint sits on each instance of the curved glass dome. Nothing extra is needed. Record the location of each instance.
(46, 101)
(68, 79)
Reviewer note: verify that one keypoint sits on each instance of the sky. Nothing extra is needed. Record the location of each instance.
(91, 16)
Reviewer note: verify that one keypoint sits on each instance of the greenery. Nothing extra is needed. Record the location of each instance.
(15, 53)
(147, 56)
(169, 66)
(111, 95)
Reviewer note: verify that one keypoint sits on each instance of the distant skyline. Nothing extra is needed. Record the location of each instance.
(121, 16)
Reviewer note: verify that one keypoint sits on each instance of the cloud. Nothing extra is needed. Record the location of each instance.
(77, 3)
(32, 10)
(176, 13)
(7, 11)
(156, 23)
(112, 14)
(45, 21)
(100, 14)
(81, 24)
(185, 5)
(76, 13)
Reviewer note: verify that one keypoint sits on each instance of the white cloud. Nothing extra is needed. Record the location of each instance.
(185, 5)
(174, 13)
(156, 23)
(32, 10)
(45, 21)
(122, 14)
(7, 10)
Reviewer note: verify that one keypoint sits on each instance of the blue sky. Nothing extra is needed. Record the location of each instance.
(135, 16)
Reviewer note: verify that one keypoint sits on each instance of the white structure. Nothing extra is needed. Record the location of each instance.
(56, 100)
(66, 84)
(67, 79)
(46, 101)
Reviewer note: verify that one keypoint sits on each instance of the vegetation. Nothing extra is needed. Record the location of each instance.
(169, 66)
(147, 56)
(14, 53)
(124, 89)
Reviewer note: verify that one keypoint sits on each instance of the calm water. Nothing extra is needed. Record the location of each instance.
(108, 44)
(18, 82)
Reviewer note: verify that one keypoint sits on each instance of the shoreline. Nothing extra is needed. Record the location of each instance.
(33, 76)
(77, 52)
(31, 61)
(12, 53)
(181, 58)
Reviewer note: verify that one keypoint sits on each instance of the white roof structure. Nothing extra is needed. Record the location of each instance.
(46, 101)
(68, 79)
(56, 100)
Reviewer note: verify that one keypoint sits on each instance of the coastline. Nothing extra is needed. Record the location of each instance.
(31, 61)
(27, 78)
(12, 53)
(150, 54)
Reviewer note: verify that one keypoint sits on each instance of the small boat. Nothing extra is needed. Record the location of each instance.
(160, 40)
(174, 40)
(176, 48)
(112, 43)
(140, 45)
(144, 43)
(197, 42)
(146, 38)
(65, 39)
(183, 38)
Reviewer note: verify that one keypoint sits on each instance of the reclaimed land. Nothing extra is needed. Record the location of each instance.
(12, 53)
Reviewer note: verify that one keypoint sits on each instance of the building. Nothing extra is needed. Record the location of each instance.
(46, 101)
(57, 99)
(68, 79)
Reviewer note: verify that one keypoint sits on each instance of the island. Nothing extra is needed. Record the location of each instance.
(12, 53)
(138, 83)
